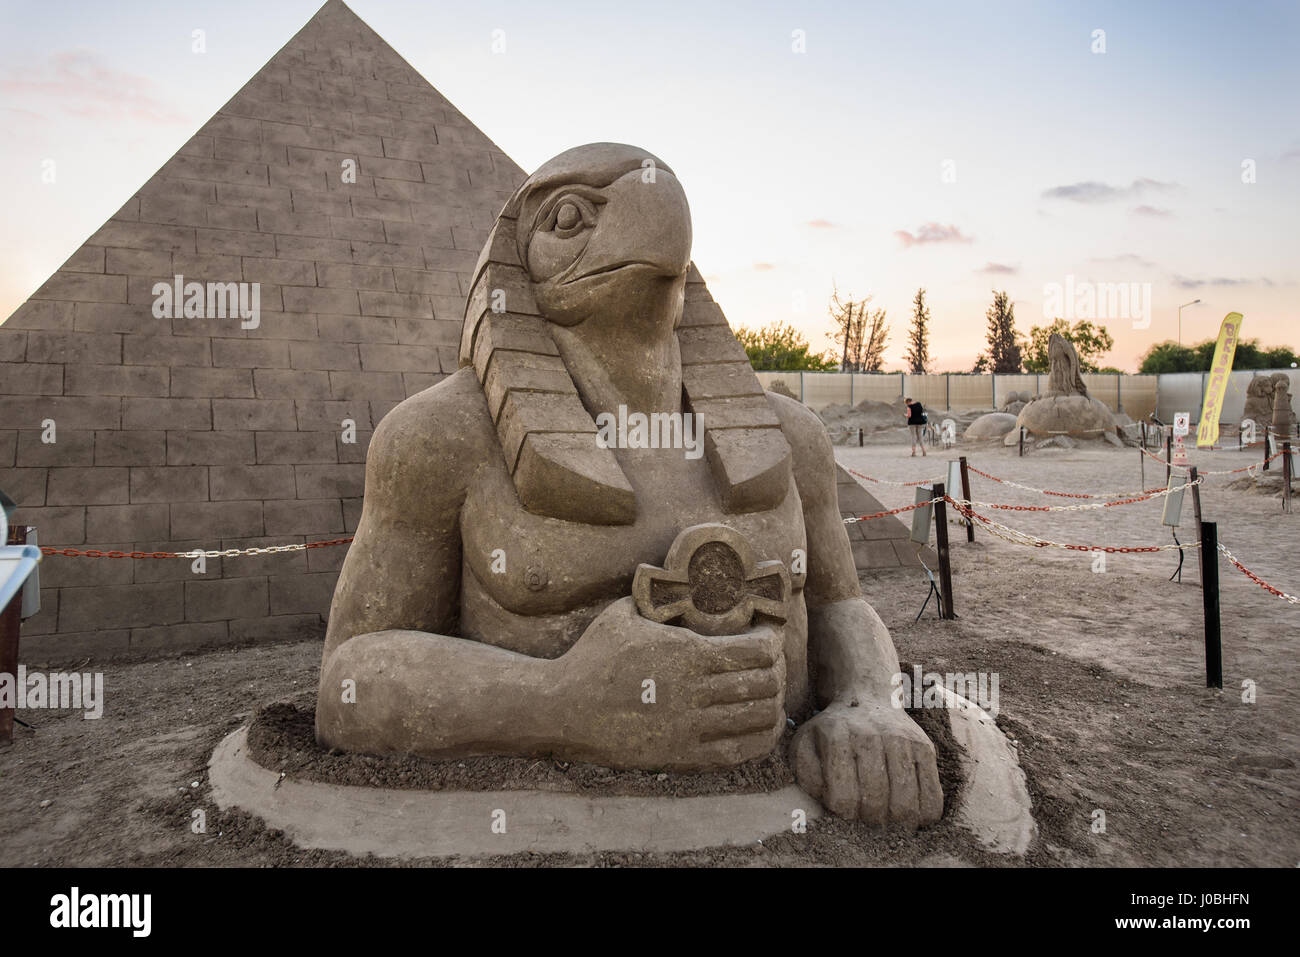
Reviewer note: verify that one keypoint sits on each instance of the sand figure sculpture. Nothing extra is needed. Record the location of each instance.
(527, 579)
(1283, 421)
(1065, 409)
(1261, 405)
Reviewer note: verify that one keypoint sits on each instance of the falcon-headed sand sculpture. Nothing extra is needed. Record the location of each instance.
(601, 540)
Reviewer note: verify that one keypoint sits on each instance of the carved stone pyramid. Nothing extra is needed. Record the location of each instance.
(358, 198)
(175, 434)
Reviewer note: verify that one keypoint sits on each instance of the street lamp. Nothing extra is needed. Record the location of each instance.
(1180, 319)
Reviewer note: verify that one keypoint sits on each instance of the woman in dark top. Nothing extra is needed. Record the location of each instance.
(915, 422)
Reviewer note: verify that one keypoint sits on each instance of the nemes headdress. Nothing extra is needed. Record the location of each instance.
(547, 435)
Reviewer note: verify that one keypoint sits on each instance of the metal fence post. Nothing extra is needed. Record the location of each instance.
(1210, 603)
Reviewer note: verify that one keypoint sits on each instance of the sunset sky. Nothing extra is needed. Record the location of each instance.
(802, 168)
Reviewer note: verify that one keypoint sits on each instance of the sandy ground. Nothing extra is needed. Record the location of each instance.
(1101, 686)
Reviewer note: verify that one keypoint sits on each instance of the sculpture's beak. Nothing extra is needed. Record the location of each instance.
(644, 225)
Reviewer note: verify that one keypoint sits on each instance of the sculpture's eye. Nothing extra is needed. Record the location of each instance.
(570, 215)
(562, 227)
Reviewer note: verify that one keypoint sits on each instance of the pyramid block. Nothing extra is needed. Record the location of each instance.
(882, 542)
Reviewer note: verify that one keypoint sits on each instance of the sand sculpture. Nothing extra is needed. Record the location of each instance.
(1065, 409)
(1261, 404)
(531, 577)
(1283, 421)
(991, 425)
(1015, 401)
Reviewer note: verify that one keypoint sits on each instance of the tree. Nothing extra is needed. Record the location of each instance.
(1090, 341)
(918, 337)
(1169, 356)
(779, 347)
(1003, 354)
(860, 332)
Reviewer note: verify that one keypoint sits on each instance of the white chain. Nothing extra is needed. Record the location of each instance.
(236, 552)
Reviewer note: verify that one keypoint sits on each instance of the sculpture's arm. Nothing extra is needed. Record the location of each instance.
(403, 567)
(848, 644)
(392, 670)
(861, 756)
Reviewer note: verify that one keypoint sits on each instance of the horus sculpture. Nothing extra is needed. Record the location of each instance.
(528, 580)
(1065, 408)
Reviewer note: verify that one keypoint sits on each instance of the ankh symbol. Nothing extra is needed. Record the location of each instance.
(712, 582)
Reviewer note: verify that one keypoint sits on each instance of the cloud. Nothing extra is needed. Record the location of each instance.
(1182, 282)
(85, 86)
(1290, 156)
(999, 269)
(1091, 191)
(820, 224)
(932, 233)
(1131, 258)
(764, 267)
(24, 113)
(1151, 211)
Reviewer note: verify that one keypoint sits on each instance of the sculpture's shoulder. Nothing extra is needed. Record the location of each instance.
(813, 458)
(433, 441)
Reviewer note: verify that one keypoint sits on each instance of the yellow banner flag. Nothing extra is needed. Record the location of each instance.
(1207, 431)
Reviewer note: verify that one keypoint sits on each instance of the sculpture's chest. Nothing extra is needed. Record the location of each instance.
(532, 565)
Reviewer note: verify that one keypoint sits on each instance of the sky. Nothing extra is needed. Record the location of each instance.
(874, 147)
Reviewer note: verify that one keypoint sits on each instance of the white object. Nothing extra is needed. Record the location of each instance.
(16, 563)
(1182, 423)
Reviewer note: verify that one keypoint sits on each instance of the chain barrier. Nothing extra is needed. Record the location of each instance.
(196, 553)
(1132, 497)
(892, 511)
(1017, 537)
(880, 481)
(1255, 578)
(1136, 496)
(1183, 468)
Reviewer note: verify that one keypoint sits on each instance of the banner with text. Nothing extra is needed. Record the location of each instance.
(1207, 432)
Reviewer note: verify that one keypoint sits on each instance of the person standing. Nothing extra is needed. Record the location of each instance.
(915, 423)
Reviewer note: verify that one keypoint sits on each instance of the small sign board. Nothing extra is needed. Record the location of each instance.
(1182, 424)
(921, 516)
(1174, 501)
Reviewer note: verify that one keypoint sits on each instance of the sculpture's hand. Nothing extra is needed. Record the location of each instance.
(870, 763)
(714, 700)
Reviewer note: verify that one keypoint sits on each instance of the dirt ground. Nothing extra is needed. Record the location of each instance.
(1101, 687)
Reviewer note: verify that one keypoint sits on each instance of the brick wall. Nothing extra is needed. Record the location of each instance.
(174, 434)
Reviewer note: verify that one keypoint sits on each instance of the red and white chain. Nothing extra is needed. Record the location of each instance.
(1255, 578)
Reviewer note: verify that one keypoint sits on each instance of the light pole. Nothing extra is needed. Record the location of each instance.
(1180, 319)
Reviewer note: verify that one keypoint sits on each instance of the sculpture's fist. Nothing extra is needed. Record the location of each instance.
(645, 695)
(870, 763)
